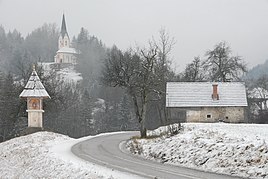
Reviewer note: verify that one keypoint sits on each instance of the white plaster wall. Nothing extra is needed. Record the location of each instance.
(66, 41)
(60, 42)
(35, 118)
(66, 58)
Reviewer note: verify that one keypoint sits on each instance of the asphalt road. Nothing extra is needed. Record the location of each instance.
(108, 151)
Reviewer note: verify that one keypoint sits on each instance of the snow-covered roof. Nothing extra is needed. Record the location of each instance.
(34, 88)
(67, 50)
(199, 94)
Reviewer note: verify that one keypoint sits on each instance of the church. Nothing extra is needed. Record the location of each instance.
(65, 53)
(65, 60)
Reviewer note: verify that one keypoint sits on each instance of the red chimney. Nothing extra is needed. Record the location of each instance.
(215, 95)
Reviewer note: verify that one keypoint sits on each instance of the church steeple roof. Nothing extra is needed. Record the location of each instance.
(63, 27)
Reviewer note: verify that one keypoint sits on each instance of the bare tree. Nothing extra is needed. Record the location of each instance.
(262, 87)
(134, 71)
(258, 98)
(194, 71)
(164, 45)
(222, 66)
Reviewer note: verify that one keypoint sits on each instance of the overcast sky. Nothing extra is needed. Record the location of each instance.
(197, 25)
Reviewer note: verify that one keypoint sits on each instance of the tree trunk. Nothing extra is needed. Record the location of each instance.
(162, 122)
(143, 130)
(140, 114)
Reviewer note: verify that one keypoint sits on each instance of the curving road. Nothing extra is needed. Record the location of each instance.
(104, 150)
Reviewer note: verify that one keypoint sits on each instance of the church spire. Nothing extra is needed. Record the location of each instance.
(63, 27)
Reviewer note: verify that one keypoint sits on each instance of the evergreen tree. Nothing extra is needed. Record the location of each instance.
(86, 114)
(126, 117)
(123, 113)
(2, 135)
(42, 43)
(91, 54)
(10, 105)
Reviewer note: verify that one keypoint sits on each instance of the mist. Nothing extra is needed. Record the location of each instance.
(196, 25)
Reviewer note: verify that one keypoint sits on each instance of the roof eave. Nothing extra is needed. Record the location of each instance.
(206, 106)
(44, 97)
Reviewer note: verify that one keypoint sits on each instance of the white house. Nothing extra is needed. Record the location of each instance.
(206, 101)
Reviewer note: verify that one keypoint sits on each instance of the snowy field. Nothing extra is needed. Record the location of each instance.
(48, 155)
(234, 149)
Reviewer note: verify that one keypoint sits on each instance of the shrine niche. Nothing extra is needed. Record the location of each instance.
(34, 103)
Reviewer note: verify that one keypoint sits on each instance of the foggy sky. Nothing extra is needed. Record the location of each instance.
(197, 25)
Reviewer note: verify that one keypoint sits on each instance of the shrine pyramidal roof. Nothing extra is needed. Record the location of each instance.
(34, 88)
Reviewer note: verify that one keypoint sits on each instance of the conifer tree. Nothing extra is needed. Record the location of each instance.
(86, 113)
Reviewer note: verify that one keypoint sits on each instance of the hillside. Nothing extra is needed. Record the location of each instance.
(233, 149)
(258, 71)
(65, 72)
(47, 155)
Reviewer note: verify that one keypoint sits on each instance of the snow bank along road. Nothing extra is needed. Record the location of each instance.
(108, 150)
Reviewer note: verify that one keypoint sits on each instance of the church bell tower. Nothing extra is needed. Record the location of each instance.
(64, 40)
(65, 53)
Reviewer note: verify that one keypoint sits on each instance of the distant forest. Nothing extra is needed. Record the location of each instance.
(97, 105)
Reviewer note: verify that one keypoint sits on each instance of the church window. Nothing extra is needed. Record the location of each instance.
(65, 43)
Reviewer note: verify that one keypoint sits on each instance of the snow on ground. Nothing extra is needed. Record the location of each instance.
(48, 155)
(67, 73)
(234, 149)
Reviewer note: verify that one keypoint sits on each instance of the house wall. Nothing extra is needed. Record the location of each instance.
(207, 114)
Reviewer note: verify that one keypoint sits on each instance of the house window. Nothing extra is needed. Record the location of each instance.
(208, 116)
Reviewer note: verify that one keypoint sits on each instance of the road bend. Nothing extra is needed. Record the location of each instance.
(109, 151)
